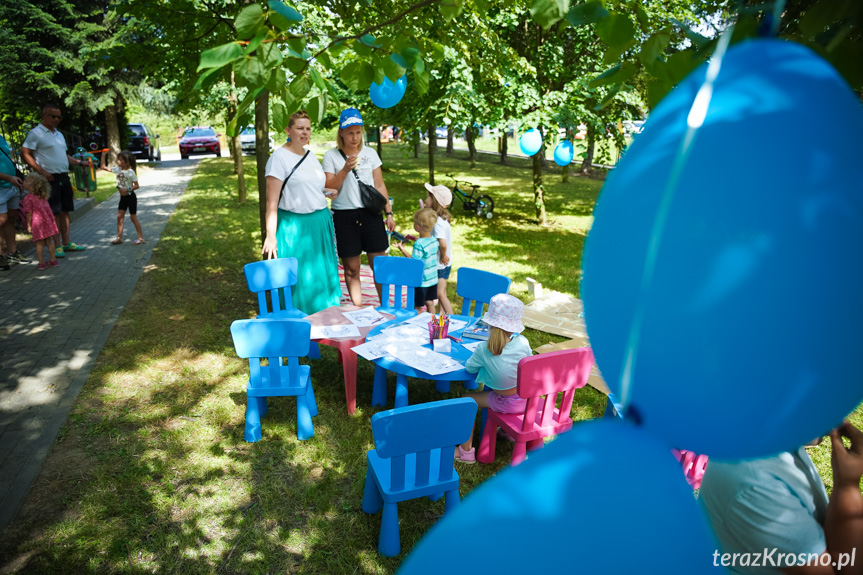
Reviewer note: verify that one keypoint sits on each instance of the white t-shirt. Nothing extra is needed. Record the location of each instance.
(443, 231)
(304, 193)
(349, 195)
(125, 178)
(49, 149)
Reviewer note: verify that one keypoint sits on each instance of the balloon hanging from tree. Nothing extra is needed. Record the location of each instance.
(563, 153)
(723, 302)
(388, 94)
(530, 142)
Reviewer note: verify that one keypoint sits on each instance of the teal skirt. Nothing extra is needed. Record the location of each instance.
(311, 239)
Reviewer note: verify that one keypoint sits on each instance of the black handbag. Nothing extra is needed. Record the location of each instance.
(372, 199)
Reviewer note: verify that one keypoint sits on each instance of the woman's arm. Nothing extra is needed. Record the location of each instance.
(382, 188)
(336, 180)
(274, 187)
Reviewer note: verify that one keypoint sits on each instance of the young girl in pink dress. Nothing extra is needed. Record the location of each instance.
(39, 217)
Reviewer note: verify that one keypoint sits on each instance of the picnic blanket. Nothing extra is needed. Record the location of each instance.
(367, 282)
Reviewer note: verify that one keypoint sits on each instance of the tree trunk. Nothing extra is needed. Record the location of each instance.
(113, 130)
(542, 157)
(503, 143)
(380, 144)
(432, 150)
(262, 153)
(449, 140)
(417, 145)
(471, 145)
(591, 144)
(568, 138)
(538, 193)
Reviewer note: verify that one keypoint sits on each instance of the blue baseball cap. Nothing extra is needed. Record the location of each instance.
(350, 117)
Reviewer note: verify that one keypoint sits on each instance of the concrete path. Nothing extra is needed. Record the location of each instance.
(54, 323)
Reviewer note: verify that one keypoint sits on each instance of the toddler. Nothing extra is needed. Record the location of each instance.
(438, 199)
(127, 182)
(425, 249)
(40, 218)
(496, 363)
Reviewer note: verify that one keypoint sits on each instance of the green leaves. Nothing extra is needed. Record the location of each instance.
(451, 8)
(220, 56)
(317, 107)
(282, 16)
(358, 76)
(394, 67)
(270, 55)
(277, 80)
(548, 12)
(616, 75)
(586, 13)
(248, 21)
(616, 30)
(299, 87)
(250, 72)
(280, 117)
(422, 82)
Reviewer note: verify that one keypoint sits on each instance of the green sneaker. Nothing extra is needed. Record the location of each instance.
(59, 253)
(70, 247)
(18, 257)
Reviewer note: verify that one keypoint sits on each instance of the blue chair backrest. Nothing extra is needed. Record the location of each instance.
(479, 286)
(398, 272)
(274, 277)
(419, 429)
(273, 339)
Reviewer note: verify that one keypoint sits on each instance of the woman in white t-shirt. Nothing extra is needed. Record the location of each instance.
(298, 220)
(357, 229)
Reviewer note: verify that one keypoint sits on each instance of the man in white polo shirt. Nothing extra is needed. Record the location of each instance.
(44, 150)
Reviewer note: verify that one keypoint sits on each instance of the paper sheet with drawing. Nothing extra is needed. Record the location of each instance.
(364, 317)
(334, 331)
(410, 354)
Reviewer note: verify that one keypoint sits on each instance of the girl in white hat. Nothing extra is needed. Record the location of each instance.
(439, 198)
(496, 363)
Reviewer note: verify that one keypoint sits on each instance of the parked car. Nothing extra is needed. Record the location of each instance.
(248, 140)
(632, 127)
(442, 132)
(143, 143)
(200, 140)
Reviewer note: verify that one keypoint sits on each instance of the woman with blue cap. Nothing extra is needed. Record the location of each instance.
(298, 220)
(357, 229)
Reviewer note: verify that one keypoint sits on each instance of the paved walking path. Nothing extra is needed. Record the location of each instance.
(53, 324)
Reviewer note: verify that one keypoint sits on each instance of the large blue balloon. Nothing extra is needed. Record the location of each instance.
(563, 153)
(605, 497)
(387, 95)
(740, 334)
(530, 142)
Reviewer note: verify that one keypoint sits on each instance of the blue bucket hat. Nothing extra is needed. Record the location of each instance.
(350, 117)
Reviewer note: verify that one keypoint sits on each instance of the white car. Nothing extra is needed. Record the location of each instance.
(247, 140)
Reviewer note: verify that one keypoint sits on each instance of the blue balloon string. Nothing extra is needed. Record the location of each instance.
(694, 121)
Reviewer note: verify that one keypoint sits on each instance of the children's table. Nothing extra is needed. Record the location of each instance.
(402, 371)
(347, 357)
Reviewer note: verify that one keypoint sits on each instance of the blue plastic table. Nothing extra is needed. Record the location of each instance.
(402, 371)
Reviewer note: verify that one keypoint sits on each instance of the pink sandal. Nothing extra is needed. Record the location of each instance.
(467, 457)
(139, 241)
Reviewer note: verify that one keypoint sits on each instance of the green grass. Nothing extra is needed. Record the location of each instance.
(151, 473)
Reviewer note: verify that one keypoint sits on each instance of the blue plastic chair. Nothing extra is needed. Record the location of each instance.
(413, 458)
(275, 278)
(397, 273)
(281, 342)
(613, 408)
(479, 286)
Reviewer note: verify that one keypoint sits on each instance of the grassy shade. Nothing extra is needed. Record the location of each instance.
(151, 472)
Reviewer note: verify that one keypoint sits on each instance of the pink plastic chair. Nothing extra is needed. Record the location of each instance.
(693, 466)
(548, 375)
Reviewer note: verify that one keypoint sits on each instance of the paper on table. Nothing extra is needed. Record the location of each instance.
(470, 345)
(364, 317)
(426, 360)
(424, 318)
(404, 333)
(334, 331)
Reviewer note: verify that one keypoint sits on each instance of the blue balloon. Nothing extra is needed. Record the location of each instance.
(563, 153)
(530, 142)
(723, 299)
(387, 95)
(641, 517)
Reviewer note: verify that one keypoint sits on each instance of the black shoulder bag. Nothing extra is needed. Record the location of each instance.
(297, 165)
(373, 200)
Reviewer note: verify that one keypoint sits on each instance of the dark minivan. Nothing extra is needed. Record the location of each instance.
(143, 143)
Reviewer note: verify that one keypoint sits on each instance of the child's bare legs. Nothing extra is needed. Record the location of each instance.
(481, 399)
(40, 246)
(121, 217)
(49, 241)
(442, 298)
(429, 306)
(137, 225)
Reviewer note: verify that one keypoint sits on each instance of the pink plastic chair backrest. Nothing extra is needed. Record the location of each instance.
(548, 374)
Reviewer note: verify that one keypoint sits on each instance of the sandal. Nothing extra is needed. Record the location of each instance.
(116, 241)
(467, 457)
(139, 241)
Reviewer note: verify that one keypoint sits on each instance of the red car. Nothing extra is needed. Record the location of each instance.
(200, 140)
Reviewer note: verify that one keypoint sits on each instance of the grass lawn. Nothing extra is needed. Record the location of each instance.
(151, 473)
